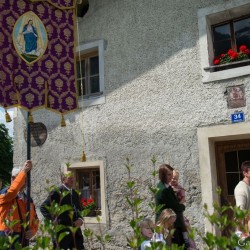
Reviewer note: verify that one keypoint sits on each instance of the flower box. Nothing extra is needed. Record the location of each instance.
(233, 56)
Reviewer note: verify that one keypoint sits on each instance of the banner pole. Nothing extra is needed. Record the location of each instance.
(28, 186)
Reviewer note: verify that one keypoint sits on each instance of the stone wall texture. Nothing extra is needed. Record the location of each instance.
(155, 101)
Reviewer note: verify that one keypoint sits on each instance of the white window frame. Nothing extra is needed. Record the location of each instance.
(208, 17)
(84, 49)
(93, 164)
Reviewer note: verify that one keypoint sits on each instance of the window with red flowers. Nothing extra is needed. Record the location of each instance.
(231, 42)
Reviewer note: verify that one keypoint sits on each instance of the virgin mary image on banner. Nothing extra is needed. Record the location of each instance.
(30, 37)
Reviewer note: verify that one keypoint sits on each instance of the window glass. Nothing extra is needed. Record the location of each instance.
(232, 181)
(243, 155)
(94, 84)
(89, 186)
(94, 65)
(242, 32)
(222, 39)
(231, 161)
(90, 75)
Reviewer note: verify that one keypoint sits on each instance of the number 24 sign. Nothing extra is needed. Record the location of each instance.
(238, 117)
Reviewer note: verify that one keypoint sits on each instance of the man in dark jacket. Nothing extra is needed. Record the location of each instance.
(66, 195)
(167, 198)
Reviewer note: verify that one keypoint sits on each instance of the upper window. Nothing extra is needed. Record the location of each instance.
(231, 34)
(88, 78)
(224, 38)
(231, 42)
(90, 73)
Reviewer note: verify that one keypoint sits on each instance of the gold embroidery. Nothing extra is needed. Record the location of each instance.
(67, 67)
(59, 84)
(67, 33)
(49, 65)
(58, 14)
(9, 58)
(30, 99)
(67, 2)
(21, 5)
(10, 21)
(58, 49)
(2, 76)
(1, 38)
(19, 80)
(13, 96)
(39, 82)
(69, 101)
(51, 101)
(50, 30)
(40, 9)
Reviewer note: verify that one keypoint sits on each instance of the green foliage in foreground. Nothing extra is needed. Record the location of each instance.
(99, 239)
(6, 154)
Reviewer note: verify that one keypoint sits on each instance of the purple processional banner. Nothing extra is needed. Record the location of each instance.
(37, 54)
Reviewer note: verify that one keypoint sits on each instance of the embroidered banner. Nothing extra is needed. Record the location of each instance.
(37, 59)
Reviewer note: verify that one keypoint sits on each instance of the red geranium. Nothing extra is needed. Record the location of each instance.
(243, 48)
(216, 61)
(88, 203)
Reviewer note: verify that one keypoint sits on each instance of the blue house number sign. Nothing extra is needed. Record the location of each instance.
(238, 117)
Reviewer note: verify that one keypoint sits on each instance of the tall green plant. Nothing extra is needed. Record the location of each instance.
(224, 227)
(6, 154)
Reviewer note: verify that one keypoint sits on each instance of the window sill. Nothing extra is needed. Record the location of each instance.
(91, 101)
(228, 66)
(93, 220)
(225, 74)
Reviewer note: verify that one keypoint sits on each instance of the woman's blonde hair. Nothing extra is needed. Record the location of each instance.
(165, 215)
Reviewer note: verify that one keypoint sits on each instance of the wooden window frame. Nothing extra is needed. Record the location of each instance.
(232, 31)
(230, 65)
(86, 57)
(91, 184)
(78, 166)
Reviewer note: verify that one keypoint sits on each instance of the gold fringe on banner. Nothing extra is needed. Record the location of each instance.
(30, 119)
(7, 116)
(63, 124)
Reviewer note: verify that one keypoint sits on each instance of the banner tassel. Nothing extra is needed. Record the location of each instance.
(30, 119)
(83, 156)
(63, 124)
(7, 116)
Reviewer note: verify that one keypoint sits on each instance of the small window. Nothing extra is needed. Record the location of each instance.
(90, 188)
(91, 185)
(88, 75)
(223, 30)
(231, 34)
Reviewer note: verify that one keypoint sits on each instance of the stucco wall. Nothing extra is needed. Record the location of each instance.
(155, 101)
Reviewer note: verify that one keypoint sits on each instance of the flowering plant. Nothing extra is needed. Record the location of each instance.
(232, 55)
(88, 203)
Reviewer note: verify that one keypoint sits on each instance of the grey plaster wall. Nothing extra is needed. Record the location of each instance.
(155, 101)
